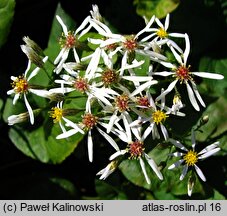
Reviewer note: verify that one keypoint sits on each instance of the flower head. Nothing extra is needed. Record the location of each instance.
(190, 157)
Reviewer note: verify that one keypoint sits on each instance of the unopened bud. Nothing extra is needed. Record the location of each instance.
(191, 183)
(33, 45)
(70, 66)
(204, 119)
(108, 170)
(95, 13)
(32, 56)
(22, 117)
(56, 97)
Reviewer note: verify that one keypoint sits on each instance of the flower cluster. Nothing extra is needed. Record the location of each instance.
(126, 98)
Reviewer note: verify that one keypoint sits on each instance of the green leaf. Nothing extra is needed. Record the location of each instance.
(107, 191)
(216, 124)
(144, 68)
(6, 18)
(159, 8)
(1, 106)
(210, 86)
(41, 144)
(66, 185)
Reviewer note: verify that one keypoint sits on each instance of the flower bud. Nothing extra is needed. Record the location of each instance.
(108, 170)
(204, 119)
(32, 56)
(22, 117)
(33, 45)
(191, 183)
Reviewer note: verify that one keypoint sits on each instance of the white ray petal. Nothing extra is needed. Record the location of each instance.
(137, 78)
(163, 73)
(92, 67)
(143, 87)
(176, 164)
(142, 164)
(113, 118)
(67, 134)
(16, 97)
(83, 24)
(167, 64)
(159, 23)
(73, 125)
(177, 56)
(58, 58)
(169, 89)
(154, 166)
(11, 91)
(76, 55)
(109, 139)
(167, 22)
(193, 139)
(197, 94)
(90, 146)
(209, 148)
(177, 154)
(64, 27)
(178, 144)
(200, 173)
(164, 132)
(192, 97)
(187, 49)
(209, 153)
(177, 35)
(147, 27)
(28, 68)
(117, 154)
(36, 70)
(184, 172)
(209, 75)
(148, 131)
(30, 111)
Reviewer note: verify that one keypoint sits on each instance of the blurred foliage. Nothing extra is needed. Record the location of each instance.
(159, 8)
(6, 18)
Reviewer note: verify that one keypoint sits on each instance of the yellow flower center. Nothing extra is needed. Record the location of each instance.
(56, 113)
(162, 33)
(20, 85)
(159, 116)
(191, 158)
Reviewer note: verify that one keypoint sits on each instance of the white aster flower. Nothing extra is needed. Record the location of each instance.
(125, 102)
(161, 36)
(89, 121)
(183, 74)
(156, 119)
(22, 86)
(58, 114)
(124, 44)
(70, 40)
(189, 158)
(135, 147)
